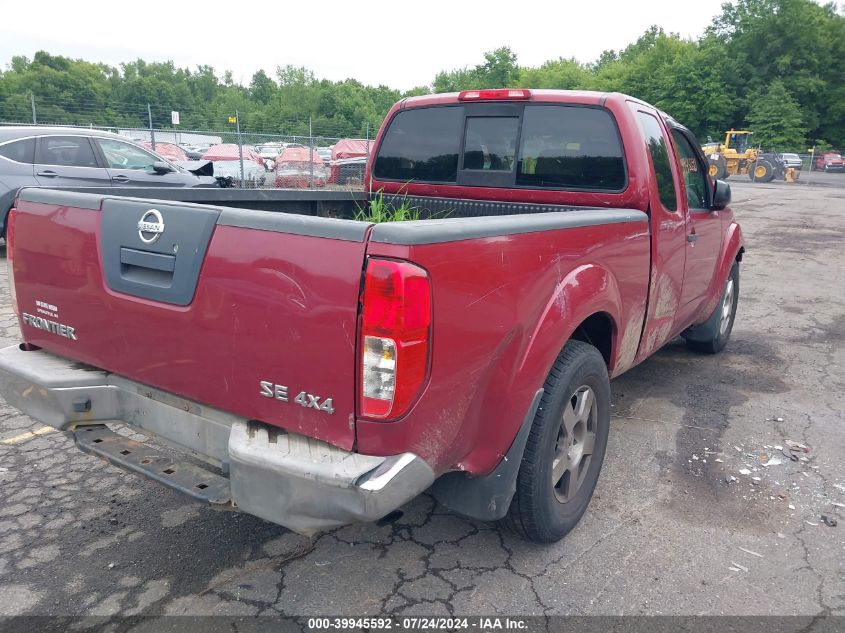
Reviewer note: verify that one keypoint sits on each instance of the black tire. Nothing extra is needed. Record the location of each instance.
(777, 163)
(711, 336)
(761, 171)
(718, 168)
(540, 510)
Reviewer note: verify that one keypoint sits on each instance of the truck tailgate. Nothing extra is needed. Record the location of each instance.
(248, 311)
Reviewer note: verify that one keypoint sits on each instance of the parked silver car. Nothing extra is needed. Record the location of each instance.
(69, 157)
(792, 160)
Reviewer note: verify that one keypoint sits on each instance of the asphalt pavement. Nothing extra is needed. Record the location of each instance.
(698, 509)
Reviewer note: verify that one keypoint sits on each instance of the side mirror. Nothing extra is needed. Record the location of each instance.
(721, 195)
(160, 167)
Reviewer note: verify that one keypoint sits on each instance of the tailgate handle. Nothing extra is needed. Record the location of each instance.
(143, 259)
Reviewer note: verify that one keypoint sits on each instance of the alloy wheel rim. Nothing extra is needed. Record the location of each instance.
(727, 307)
(576, 440)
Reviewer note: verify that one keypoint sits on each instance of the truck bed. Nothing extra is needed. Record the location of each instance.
(233, 304)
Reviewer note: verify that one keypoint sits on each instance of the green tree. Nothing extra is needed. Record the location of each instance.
(681, 77)
(775, 119)
(562, 74)
(799, 42)
(455, 80)
(726, 78)
(499, 70)
(262, 88)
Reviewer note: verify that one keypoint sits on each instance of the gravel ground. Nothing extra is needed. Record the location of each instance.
(665, 534)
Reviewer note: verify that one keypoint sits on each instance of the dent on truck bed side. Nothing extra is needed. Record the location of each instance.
(503, 307)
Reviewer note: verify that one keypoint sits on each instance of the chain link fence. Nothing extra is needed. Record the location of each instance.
(249, 159)
(321, 159)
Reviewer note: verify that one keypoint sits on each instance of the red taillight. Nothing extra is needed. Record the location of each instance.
(10, 238)
(498, 94)
(394, 337)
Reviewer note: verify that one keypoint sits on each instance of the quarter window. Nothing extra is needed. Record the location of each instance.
(21, 151)
(656, 144)
(67, 151)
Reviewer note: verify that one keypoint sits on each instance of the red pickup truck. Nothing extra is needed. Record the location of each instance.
(315, 370)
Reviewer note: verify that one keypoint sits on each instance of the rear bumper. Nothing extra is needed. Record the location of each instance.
(295, 481)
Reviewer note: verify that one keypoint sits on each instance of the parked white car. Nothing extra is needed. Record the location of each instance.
(227, 163)
(270, 152)
(792, 160)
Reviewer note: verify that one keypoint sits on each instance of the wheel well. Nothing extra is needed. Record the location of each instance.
(740, 254)
(597, 330)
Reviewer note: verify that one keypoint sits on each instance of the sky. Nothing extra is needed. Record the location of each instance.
(397, 43)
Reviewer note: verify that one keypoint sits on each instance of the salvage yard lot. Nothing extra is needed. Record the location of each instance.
(674, 528)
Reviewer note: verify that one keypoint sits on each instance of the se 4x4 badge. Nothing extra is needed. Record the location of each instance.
(307, 400)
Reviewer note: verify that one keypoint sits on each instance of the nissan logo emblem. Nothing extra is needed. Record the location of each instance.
(150, 226)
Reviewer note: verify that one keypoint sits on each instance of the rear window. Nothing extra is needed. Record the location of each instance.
(421, 144)
(490, 143)
(504, 145)
(570, 147)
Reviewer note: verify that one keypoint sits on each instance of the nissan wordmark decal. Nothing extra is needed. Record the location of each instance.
(47, 325)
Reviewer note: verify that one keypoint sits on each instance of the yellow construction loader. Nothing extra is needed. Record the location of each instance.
(737, 155)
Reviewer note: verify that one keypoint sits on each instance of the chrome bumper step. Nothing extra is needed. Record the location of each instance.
(183, 476)
(302, 483)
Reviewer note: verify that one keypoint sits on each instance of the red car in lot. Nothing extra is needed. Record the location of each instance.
(349, 159)
(328, 368)
(170, 151)
(299, 168)
(829, 161)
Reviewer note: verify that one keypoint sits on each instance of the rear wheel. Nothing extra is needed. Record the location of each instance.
(711, 336)
(565, 448)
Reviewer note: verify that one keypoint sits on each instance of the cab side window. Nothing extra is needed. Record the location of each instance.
(65, 151)
(695, 175)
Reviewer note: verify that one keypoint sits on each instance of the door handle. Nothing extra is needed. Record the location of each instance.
(120, 178)
(47, 174)
(692, 237)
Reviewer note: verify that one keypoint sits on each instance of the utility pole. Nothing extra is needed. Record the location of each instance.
(152, 131)
(240, 144)
(367, 164)
(32, 100)
(311, 153)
